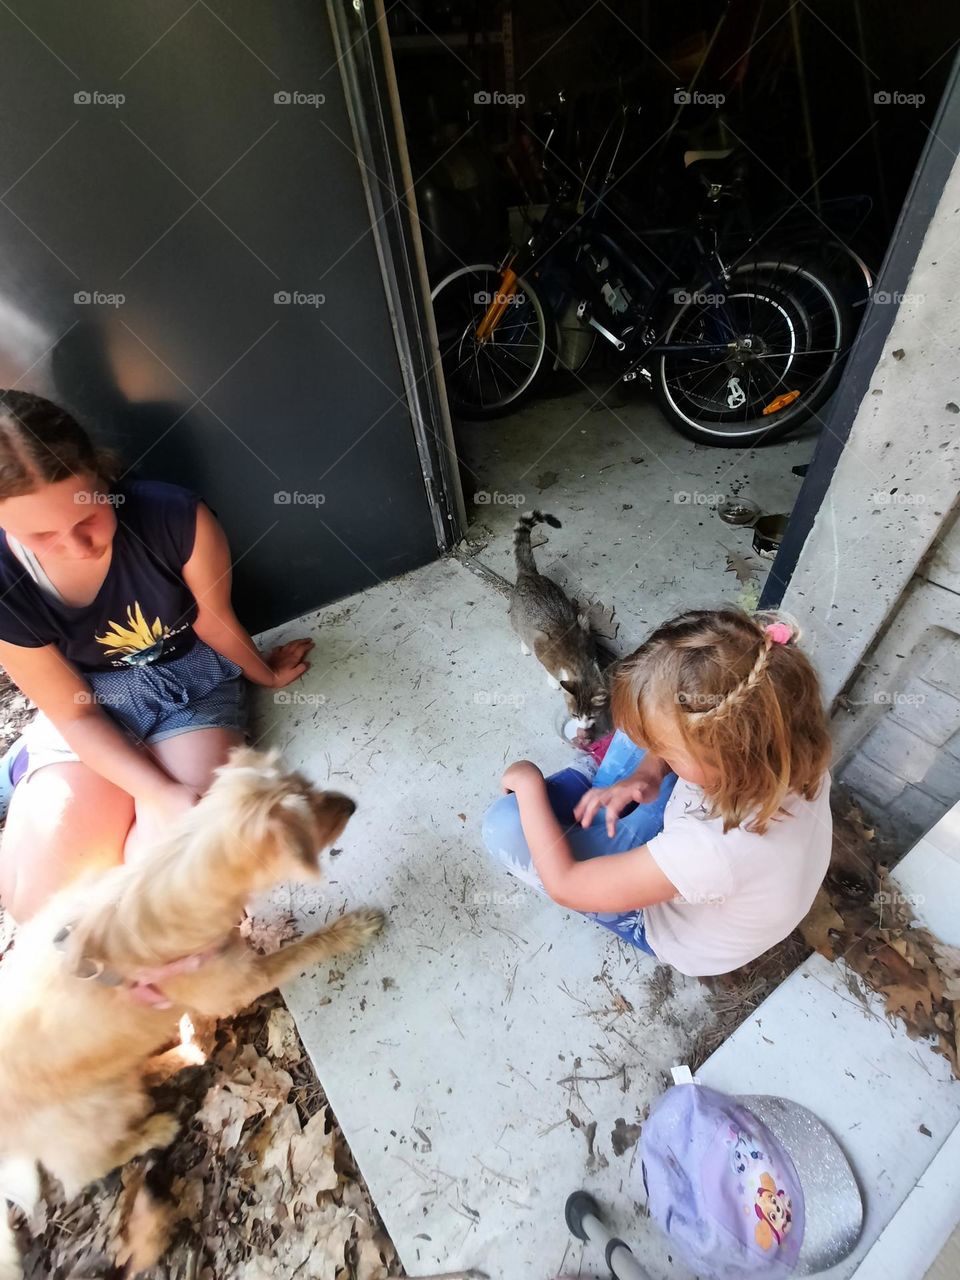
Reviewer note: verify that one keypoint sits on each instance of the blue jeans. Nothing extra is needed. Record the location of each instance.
(507, 845)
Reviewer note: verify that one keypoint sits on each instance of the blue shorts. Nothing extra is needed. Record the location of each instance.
(199, 690)
(505, 841)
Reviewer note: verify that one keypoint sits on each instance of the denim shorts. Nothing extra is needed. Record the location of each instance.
(507, 845)
(199, 690)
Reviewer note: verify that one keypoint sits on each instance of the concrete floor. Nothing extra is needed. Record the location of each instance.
(637, 500)
(484, 1057)
(470, 1052)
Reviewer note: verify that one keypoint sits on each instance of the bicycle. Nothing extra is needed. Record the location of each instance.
(737, 347)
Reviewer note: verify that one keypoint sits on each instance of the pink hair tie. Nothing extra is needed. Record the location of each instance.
(779, 632)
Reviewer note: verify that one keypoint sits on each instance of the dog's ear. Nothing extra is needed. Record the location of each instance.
(311, 821)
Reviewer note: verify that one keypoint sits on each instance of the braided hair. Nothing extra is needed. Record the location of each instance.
(745, 699)
(40, 443)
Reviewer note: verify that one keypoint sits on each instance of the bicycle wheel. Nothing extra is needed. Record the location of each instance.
(787, 330)
(495, 345)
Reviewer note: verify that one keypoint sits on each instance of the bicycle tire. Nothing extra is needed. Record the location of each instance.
(784, 287)
(461, 355)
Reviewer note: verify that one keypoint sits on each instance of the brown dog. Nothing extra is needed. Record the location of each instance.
(99, 980)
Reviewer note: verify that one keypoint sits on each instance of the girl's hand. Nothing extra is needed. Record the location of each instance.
(287, 662)
(642, 787)
(519, 775)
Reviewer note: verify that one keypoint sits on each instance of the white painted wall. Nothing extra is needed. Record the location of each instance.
(877, 585)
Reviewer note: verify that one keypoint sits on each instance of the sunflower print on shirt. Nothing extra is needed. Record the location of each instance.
(138, 643)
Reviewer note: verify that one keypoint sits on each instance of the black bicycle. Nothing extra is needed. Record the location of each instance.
(739, 343)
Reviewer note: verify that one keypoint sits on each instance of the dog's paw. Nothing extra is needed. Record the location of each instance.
(357, 928)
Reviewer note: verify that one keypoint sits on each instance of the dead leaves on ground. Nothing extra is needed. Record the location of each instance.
(861, 916)
(260, 1185)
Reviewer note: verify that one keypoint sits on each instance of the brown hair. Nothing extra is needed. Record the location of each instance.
(40, 443)
(745, 705)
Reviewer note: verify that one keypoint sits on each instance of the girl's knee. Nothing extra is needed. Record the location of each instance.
(502, 831)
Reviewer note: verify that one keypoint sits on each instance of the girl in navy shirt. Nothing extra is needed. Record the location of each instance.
(116, 621)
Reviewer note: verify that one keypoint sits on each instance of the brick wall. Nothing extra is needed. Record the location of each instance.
(897, 732)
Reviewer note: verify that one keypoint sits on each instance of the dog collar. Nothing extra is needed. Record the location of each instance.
(143, 987)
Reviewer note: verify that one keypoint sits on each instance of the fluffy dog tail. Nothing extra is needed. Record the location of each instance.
(522, 550)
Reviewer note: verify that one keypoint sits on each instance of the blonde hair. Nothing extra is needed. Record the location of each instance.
(747, 703)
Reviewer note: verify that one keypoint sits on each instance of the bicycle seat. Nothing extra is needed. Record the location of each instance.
(696, 157)
(717, 171)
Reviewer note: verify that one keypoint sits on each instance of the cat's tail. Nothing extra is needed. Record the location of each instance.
(522, 551)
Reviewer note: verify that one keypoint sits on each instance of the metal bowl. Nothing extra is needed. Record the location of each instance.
(738, 511)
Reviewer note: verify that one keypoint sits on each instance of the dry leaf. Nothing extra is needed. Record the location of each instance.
(741, 565)
(283, 1042)
(816, 926)
(904, 998)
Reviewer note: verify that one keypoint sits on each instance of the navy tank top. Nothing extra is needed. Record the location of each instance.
(144, 611)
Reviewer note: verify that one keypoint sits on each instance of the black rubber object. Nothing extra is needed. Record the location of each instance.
(579, 1204)
(615, 1243)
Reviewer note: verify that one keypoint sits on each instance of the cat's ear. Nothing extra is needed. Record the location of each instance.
(570, 686)
(584, 621)
(600, 699)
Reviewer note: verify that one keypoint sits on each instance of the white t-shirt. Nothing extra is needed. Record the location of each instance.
(739, 893)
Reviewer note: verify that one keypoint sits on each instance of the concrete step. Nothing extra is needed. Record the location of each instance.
(824, 1041)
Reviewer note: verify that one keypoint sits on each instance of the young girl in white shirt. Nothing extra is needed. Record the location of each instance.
(706, 832)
